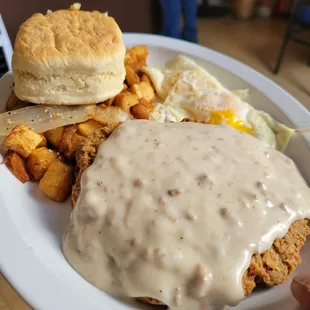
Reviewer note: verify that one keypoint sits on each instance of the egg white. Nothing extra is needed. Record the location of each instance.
(187, 90)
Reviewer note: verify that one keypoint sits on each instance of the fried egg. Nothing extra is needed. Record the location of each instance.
(188, 91)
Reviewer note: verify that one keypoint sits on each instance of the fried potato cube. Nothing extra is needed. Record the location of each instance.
(135, 60)
(126, 101)
(136, 54)
(135, 89)
(12, 101)
(131, 76)
(17, 166)
(145, 78)
(109, 101)
(139, 111)
(70, 141)
(39, 160)
(54, 136)
(88, 127)
(143, 90)
(110, 117)
(75, 143)
(140, 51)
(22, 140)
(15, 103)
(57, 181)
(149, 106)
(130, 57)
(44, 141)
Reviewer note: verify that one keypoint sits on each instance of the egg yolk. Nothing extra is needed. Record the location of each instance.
(228, 117)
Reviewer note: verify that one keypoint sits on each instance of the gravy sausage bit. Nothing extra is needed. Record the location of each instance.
(174, 192)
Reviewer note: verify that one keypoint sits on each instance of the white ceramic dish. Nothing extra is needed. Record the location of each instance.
(31, 225)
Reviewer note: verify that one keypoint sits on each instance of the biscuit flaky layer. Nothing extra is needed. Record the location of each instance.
(68, 57)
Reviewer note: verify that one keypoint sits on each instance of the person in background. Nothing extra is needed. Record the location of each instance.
(301, 290)
(172, 10)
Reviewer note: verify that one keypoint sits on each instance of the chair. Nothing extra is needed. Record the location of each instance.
(5, 49)
(294, 27)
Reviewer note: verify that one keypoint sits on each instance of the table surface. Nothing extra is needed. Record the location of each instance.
(9, 299)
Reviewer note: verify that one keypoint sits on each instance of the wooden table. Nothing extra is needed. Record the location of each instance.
(294, 77)
(9, 299)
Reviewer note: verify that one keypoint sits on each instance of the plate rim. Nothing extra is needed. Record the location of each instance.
(28, 280)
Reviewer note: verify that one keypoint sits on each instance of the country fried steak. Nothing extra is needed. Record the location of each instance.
(269, 268)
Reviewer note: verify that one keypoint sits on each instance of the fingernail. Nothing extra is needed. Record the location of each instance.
(303, 280)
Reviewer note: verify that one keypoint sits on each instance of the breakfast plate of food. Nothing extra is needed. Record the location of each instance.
(143, 172)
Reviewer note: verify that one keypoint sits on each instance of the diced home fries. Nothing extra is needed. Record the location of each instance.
(43, 142)
(49, 157)
(136, 57)
(70, 141)
(38, 162)
(54, 136)
(126, 100)
(17, 166)
(87, 128)
(22, 140)
(143, 90)
(57, 181)
(135, 60)
(14, 103)
(139, 111)
(111, 116)
(131, 76)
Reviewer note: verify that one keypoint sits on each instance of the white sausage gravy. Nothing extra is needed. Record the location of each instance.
(175, 211)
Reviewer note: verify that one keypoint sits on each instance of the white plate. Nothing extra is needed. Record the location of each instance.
(31, 225)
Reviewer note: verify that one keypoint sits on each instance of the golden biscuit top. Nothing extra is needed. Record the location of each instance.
(68, 34)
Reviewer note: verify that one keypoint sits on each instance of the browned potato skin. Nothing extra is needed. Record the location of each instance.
(131, 76)
(57, 181)
(70, 141)
(143, 90)
(124, 87)
(147, 104)
(15, 103)
(135, 60)
(54, 136)
(17, 166)
(12, 101)
(22, 140)
(139, 111)
(110, 117)
(126, 100)
(150, 300)
(38, 162)
(136, 56)
(145, 78)
(67, 137)
(75, 142)
(44, 141)
(87, 128)
(110, 101)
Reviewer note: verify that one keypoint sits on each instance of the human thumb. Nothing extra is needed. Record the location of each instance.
(301, 290)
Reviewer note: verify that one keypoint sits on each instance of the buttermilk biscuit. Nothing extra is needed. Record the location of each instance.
(68, 57)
